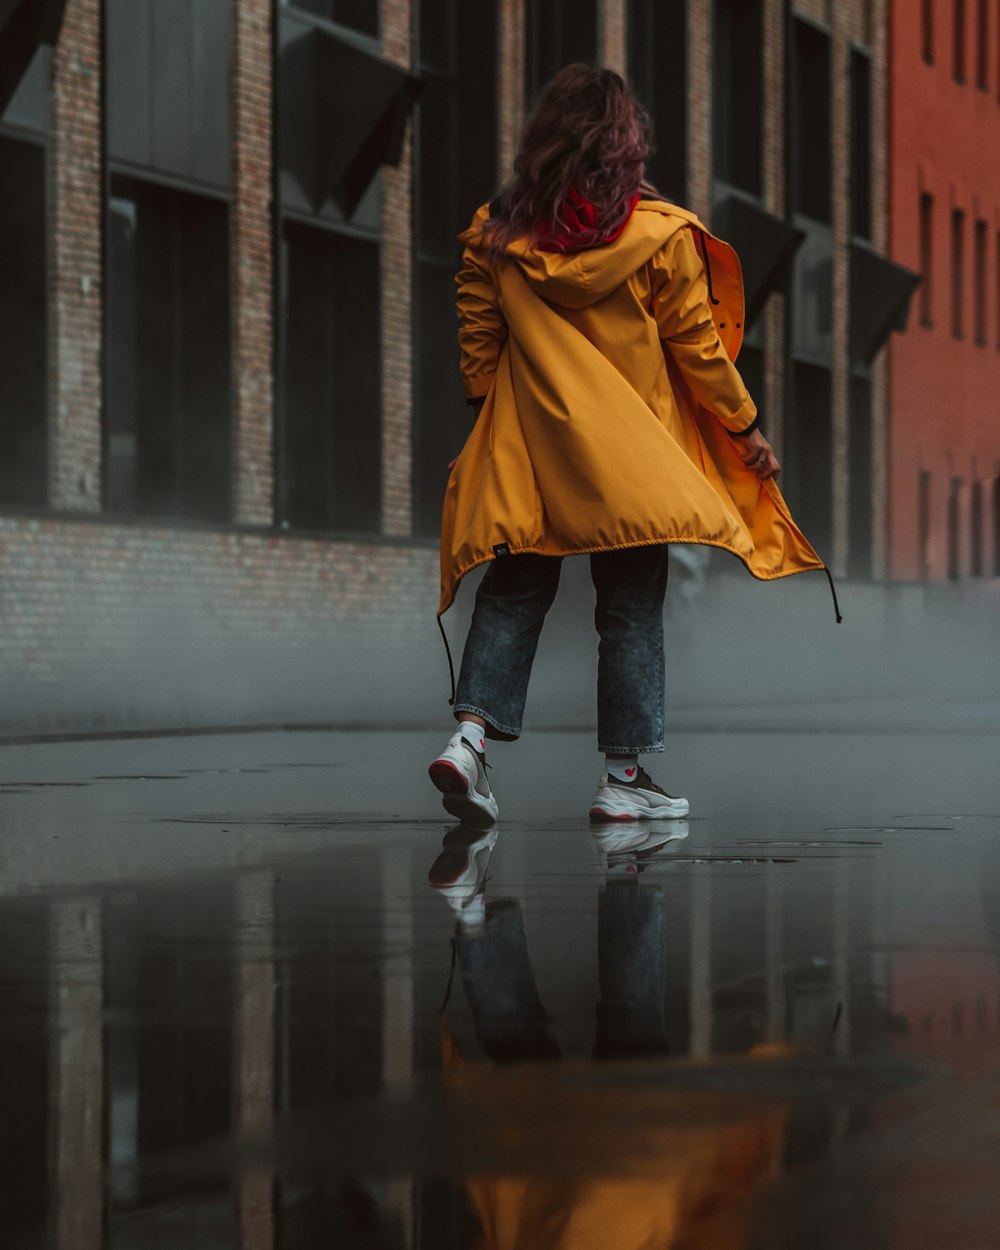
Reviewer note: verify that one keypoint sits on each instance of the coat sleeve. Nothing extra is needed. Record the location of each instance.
(482, 330)
(684, 319)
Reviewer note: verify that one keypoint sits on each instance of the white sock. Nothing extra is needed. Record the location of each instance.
(474, 735)
(622, 768)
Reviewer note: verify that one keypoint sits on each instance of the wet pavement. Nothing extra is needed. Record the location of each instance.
(257, 990)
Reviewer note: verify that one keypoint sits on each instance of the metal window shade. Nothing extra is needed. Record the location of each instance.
(24, 24)
(765, 245)
(880, 301)
(343, 114)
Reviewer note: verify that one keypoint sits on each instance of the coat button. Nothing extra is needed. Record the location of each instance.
(722, 325)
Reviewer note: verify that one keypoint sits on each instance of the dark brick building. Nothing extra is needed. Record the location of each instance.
(226, 328)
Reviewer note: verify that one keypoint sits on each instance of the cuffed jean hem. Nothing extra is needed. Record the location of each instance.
(649, 750)
(495, 732)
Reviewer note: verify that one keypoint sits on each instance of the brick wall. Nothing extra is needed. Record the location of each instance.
(397, 280)
(252, 263)
(773, 407)
(104, 625)
(75, 232)
(700, 109)
(510, 80)
(612, 44)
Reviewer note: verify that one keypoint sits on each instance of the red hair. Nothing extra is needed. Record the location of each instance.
(588, 135)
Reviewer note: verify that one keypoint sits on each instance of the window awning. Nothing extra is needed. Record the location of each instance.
(24, 24)
(343, 113)
(765, 245)
(880, 301)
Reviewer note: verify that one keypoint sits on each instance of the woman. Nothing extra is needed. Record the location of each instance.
(598, 326)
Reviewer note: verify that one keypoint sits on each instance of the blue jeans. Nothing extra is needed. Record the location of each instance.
(511, 604)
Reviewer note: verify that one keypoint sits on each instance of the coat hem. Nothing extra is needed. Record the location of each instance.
(820, 567)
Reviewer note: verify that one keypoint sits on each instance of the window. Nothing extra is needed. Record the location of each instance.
(861, 145)
(168, 389)
(927, 30)
(977, 567)
(955, 529)
(996, 527)
(982, 44)
(738, 86)
(455, 161)
(808, 443)
(979, 278)
(924, 523)
(811, 120)
(996, 273)
(361, 15)
(957, 272)
(926, 227)
(558, 32)
(167, 406)
(860, 479)
(23, 443)
(329, 436)
(657, 58)
(958, 40)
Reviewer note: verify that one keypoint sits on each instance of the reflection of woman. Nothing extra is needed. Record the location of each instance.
(637, 1198)
(598, 325)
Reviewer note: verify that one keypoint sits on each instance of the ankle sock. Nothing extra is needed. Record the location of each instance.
(622, 768)
(474, 735)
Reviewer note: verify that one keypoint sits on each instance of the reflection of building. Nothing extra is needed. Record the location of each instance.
(226, 325)
(945, 371)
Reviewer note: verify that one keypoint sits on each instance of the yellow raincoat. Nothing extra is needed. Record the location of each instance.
(610, 391)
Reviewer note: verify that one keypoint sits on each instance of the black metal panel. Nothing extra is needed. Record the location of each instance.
(210, 90)
(880, 301)
(657, 34)
(343, 115)
(812, 295)
(22, 323)
(168, 87)
(765, 245)
(28, 108)
(24, 26)
(127, 49)
(557, 33)
(170, 79)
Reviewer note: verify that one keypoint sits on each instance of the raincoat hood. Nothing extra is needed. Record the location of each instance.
(580, 279)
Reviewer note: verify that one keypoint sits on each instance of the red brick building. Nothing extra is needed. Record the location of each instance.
(945, 223)
(227, 234)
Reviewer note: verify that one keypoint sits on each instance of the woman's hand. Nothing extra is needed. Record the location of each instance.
(758, 455)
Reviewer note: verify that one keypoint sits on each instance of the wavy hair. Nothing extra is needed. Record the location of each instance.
(589, 135)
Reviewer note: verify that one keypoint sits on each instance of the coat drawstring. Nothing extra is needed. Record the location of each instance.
(708, 265)
(451, 666)
(833, 591)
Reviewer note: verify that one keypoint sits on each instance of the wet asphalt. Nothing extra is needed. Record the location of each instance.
(258, 990)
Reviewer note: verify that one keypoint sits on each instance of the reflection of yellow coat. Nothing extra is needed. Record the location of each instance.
(624, 1165)
(609, 389)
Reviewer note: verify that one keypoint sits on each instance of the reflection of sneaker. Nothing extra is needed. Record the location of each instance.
(459, 772)
(459, 874)
(628, 850)
(638, 799)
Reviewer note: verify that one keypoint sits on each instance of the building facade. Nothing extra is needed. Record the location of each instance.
(227, 330)
(945, 223)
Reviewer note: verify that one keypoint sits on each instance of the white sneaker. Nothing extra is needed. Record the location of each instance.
(459, 772)
(638, 799)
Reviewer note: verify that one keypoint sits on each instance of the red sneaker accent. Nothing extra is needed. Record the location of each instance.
(447, 778)
(629, 772)
(597, 814)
